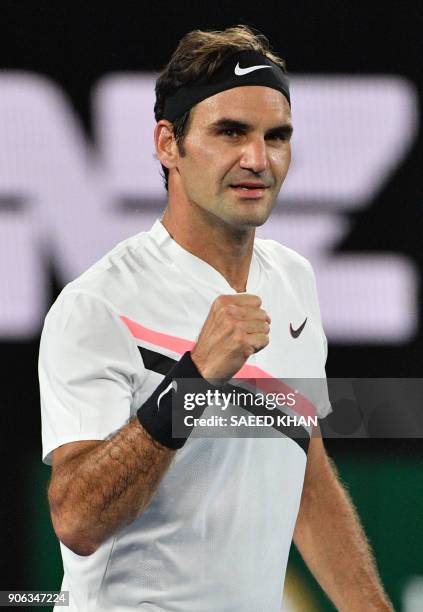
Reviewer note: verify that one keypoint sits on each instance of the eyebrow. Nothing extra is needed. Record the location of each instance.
(225, 123)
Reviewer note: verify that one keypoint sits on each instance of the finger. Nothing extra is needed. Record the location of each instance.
(244, 313)
(255, 326)
(242, 299)
(258, 341)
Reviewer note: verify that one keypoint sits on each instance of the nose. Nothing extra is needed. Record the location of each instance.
(254, 155)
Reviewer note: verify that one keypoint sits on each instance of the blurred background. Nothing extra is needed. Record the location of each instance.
(77, 175)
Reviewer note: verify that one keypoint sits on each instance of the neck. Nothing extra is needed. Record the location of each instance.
(226, 249)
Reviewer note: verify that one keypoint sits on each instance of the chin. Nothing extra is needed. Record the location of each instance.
(253, 218)
(245, 216)
(244, 222)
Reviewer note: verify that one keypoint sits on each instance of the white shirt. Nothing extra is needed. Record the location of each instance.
(217, 534)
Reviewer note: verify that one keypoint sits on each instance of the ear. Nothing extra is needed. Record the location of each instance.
(166, 148)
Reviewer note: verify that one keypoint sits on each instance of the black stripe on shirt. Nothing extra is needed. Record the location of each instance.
(156, 362)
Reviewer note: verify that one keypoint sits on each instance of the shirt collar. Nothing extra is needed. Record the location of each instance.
(203, 272)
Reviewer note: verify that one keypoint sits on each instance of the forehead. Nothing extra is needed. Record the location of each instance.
(252, 104)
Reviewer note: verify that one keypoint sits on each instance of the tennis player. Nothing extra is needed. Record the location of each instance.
(148, 520)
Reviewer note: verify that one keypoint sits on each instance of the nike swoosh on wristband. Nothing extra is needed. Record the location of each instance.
(296, 332)
(171, 385)
(241, 71)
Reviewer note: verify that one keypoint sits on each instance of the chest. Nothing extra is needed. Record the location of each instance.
(174, 312)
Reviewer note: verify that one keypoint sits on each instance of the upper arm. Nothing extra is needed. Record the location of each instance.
(89, 367)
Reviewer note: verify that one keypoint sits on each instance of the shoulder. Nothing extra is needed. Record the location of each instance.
(116, 267)
(84, 325)
(109, 283)
(282, 257)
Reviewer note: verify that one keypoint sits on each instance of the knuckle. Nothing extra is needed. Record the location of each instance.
(221, 301)
(226, 320)
(227, 309)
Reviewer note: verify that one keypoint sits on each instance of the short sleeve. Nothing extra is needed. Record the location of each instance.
(88, 365)
(322, 402)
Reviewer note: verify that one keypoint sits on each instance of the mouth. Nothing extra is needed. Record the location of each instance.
(249, 190)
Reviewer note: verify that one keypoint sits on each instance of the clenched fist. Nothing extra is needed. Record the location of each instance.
(235, 328)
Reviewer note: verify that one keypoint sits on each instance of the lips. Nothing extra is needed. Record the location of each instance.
(249, 185)
(249, 190)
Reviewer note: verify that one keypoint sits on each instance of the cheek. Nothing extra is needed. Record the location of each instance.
(198, 162)
(280, 162)
(200, 150)
(211, 161)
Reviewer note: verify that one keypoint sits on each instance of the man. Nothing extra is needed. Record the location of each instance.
(151, 521)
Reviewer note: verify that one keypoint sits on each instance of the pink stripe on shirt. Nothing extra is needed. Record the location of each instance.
(266, 382)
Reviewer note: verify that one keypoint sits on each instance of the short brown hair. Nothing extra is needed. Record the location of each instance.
(203, 52)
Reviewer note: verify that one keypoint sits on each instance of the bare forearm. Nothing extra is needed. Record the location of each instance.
(106, 487)
(331, 540)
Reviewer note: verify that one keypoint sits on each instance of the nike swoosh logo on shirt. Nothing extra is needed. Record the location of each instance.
(241, 71)
(296, 332)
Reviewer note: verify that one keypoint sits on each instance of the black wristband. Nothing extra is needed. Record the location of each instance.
(156, 414)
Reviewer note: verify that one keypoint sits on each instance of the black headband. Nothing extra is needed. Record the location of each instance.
(240, 69)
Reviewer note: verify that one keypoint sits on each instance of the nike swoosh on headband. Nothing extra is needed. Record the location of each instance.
(241, 71)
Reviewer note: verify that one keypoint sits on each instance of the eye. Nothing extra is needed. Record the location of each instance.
(283, 136)
(231, 132)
